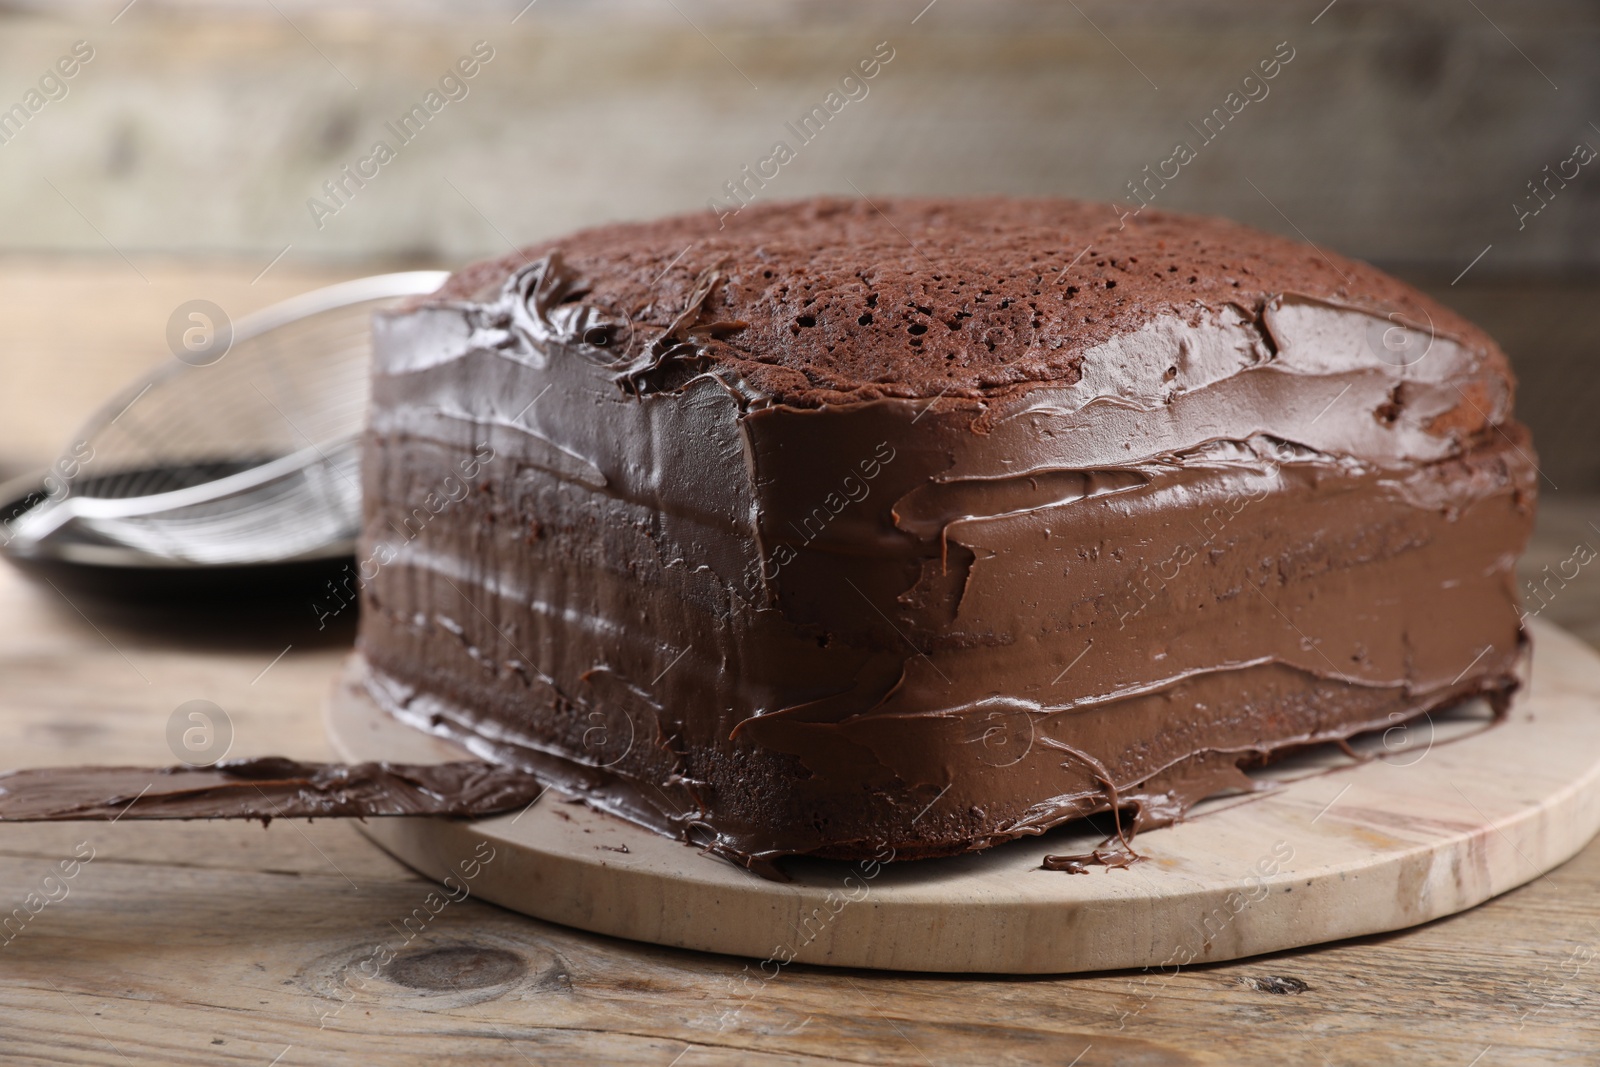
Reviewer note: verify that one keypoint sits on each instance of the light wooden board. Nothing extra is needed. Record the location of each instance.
(1430, 828)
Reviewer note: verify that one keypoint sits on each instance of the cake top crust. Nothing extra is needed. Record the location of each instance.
(833, 300)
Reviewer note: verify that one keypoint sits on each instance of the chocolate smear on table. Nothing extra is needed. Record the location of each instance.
(265, 788)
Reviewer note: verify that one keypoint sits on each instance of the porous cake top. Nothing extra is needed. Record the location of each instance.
(844, 299)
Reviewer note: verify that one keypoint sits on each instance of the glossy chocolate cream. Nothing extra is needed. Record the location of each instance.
(932, 526)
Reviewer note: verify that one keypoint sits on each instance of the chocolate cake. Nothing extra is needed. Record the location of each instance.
(927, 524)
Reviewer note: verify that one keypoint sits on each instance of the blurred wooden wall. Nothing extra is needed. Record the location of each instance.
(1399, 132)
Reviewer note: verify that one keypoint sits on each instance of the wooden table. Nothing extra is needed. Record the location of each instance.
(227, 943)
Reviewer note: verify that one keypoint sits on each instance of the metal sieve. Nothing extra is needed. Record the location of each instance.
(243, 455)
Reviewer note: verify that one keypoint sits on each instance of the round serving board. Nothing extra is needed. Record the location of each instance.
(1446, 814)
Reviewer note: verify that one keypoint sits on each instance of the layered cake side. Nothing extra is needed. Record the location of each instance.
(931, 526)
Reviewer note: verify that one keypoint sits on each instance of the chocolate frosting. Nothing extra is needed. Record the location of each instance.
(265, 788)
(934, 526)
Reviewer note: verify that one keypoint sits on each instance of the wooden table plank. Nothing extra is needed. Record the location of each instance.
(232, 944)
(177, 936)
